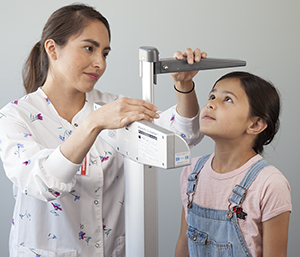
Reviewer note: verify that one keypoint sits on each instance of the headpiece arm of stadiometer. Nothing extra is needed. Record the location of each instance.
(168, 65)
(171, 65)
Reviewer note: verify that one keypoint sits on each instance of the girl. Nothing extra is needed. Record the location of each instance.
(234, 202)
(68, 183)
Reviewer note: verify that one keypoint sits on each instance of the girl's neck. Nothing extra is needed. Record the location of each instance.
(229, 159)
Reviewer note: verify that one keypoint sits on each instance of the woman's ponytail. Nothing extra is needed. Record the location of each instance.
(35, 69)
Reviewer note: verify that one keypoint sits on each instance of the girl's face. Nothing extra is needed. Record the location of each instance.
(227, 113)
(82, 61)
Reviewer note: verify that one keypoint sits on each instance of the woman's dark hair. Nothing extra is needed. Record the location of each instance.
(63, 23)
(264, 102)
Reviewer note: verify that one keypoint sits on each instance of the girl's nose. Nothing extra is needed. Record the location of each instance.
(211, 105)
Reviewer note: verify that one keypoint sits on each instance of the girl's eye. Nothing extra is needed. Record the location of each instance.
(89, 48)
(228, 99)
(211, 97)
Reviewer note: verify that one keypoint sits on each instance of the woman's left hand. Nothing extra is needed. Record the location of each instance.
(192, 56)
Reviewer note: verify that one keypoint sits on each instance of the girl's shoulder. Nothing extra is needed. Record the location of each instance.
(270, 176)
(272, 180)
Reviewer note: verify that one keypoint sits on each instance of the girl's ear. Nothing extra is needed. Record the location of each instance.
(51, 49)
(257, 126)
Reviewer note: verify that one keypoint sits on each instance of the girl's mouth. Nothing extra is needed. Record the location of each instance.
(207, 117)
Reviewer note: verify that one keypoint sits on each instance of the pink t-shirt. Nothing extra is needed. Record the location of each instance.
(268, 196)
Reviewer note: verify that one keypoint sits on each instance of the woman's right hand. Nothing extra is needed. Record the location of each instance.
(116, 114)
(123, 111)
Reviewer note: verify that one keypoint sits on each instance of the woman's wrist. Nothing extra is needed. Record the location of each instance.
(92, 124)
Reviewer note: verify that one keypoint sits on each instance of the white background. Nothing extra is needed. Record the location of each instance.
(265, 33)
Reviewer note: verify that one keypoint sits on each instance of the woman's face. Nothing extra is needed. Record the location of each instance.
(82, 61)
(227, 112)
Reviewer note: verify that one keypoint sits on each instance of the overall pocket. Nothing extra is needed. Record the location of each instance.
(201, 245)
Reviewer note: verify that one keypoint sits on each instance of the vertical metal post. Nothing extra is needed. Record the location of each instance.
(141, 217)
(140, 210)
(148, 81)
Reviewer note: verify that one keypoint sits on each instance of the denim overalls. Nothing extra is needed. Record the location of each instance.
(216, 233)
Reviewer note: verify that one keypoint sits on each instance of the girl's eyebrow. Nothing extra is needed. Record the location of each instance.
(211, 91)
(95, 43)
(230, 93)
(224, 92)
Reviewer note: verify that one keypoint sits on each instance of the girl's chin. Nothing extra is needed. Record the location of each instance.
(204, 131)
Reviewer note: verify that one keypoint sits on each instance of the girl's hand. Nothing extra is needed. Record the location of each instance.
(123, 111)
(192, 56)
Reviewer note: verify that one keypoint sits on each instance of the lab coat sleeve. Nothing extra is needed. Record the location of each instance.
(187, 128)
(42, 173)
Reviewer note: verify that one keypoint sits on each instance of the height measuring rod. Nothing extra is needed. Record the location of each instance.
(146, 147)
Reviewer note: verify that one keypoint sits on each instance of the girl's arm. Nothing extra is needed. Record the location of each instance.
(275, 236)
(187, 104)
(182, 243)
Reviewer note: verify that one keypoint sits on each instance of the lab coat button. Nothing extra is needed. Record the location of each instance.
(96, 202)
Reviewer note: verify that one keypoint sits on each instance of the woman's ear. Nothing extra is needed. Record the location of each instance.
(257, 126)
(51, 49)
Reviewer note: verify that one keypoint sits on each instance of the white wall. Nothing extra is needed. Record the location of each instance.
(264, 33)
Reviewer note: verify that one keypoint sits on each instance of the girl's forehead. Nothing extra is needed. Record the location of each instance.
(229, 84)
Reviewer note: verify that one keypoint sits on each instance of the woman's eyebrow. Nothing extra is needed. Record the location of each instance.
(95, 43)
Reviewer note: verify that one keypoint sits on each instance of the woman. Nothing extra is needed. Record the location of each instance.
(68, 183)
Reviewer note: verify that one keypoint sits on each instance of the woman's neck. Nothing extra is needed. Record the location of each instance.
(66, 102)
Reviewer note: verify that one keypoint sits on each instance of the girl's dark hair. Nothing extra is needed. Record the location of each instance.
(264, 102)
(63, 23)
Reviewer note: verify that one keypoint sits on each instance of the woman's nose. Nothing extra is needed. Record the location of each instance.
(99, 62)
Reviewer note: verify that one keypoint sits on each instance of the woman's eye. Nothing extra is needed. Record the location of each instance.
(89, 48)
(105, 55)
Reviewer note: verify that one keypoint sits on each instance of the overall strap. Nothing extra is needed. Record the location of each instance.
(239, 191)
(193, 177)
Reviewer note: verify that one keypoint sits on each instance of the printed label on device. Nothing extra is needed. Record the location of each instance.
(147, 144)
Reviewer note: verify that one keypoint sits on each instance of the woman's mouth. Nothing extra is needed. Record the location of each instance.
(93, 76)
